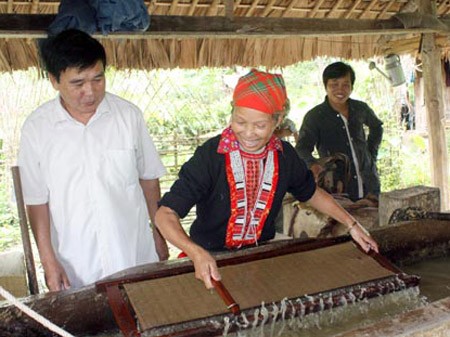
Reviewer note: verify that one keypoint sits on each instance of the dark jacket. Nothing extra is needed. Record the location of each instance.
(324, 129)
(203, 182)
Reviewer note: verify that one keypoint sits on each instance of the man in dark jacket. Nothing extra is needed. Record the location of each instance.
(336, 126)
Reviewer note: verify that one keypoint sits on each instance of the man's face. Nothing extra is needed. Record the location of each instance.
(81, 91)
(252, 128)
(339, 89)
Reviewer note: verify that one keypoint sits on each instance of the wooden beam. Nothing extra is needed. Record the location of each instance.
(434, 102)
(169, 27)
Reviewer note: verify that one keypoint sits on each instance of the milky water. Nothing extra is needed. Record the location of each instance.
(340, 319)
(435, 277)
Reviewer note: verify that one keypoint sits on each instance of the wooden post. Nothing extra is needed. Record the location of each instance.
(28, 251)
(434, 103)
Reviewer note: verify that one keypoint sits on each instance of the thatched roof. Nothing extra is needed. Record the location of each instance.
(196, 33)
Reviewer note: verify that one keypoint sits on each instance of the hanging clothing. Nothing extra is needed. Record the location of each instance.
(106, 16)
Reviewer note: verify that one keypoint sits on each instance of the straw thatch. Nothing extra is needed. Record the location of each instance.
(148, 51)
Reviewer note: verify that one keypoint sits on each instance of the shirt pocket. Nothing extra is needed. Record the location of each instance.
(119, 167)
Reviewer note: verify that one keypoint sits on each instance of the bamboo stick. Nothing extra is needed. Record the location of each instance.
(29, 260)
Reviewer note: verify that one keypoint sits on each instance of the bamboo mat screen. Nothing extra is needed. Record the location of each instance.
(182, 298)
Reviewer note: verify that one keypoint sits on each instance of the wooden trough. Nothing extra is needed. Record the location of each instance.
(87, 311)
(306, 274)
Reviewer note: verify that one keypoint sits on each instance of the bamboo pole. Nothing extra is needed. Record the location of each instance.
(29, 260)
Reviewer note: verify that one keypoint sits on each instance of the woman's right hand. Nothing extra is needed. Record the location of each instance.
(205, 267)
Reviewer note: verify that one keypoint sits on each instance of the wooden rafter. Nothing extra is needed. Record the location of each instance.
(289, 8)
(314, 11)
(193, 6)
(9, 9)
(34, 7)
(229, 9)
(151, 6)
(367, 10)
(294, 8)
(352, 9)
(385, 9)
(173, 7)
(212, 11)
(334, 9)
(252, 8)
(268, 8)
(443, 8)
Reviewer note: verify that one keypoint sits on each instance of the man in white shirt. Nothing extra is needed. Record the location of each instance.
(90, 171)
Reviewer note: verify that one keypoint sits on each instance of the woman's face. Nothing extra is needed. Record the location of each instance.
(252, 128)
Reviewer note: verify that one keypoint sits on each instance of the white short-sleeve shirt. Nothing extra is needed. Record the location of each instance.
(89, 175)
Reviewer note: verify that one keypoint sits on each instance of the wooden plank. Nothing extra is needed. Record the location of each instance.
(34, 26)
(434, 102)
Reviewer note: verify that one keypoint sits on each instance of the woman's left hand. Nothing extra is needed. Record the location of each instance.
(363, 238)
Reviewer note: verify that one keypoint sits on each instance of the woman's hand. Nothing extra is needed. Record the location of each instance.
(205, 267)
(362, 237)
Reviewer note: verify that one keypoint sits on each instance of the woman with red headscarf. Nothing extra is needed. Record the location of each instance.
(237, 181)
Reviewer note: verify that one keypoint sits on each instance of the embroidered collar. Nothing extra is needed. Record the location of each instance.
(245, 225)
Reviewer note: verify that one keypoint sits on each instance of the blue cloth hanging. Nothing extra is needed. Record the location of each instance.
(77, 14)
(101, 15)
(121, 15)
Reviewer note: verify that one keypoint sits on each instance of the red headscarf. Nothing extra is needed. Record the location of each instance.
(261, 91)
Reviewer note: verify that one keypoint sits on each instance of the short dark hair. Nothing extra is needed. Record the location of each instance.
(338, 70)
(72, 48)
